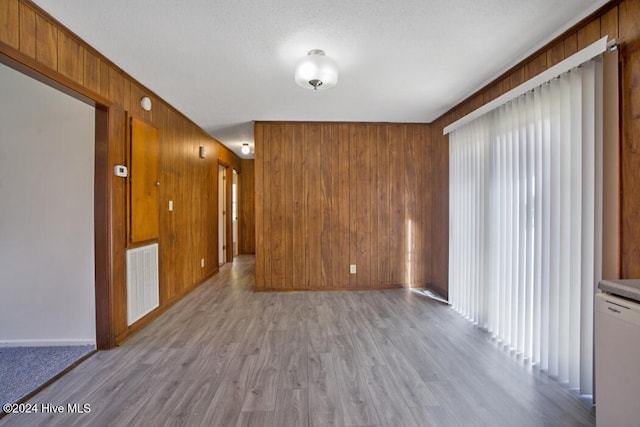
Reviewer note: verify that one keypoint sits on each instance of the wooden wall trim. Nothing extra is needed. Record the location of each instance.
(118, 220)
(33, 69)
(105, 337)
(611, 219)
(228, 218)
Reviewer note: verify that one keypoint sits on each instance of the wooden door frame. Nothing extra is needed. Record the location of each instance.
(103, 196)
(221, 224)
(235, 250)
(228, 255)
(103, 208)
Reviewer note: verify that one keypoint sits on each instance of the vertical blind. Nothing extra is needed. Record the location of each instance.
(525, 222)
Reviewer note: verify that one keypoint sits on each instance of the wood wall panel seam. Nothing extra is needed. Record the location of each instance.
(629, 31)
(9, 23)
(27, 31)
(46, 42)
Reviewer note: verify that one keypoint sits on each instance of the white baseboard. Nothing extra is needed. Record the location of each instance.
(45, 343)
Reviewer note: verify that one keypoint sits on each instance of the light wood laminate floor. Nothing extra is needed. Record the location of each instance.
(227, 356)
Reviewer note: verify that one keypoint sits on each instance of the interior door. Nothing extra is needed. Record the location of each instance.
(144, 182)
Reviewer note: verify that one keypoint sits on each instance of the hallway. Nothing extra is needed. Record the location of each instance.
(225, 356)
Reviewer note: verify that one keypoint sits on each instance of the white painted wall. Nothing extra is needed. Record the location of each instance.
(47, 282)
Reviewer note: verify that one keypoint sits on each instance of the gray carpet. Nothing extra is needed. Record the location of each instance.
(24, 369)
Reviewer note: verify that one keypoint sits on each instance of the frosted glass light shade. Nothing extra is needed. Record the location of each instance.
(145, 103)
(316, 71)
(245, 149)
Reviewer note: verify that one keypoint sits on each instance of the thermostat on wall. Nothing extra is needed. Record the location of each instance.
(120, 170)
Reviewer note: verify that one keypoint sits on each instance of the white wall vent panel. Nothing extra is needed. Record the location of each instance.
(143, 290)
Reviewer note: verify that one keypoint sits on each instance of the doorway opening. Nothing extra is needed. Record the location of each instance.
(222, 214)
(48, 241)
(234, 212)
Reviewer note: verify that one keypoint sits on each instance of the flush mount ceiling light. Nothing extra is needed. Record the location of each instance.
(145, 103)
(245, 148)
(316, 71)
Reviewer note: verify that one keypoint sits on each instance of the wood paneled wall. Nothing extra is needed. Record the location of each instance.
(619, 20)
(333, 194)
(247, 243)
(38, 45)
(629, 35)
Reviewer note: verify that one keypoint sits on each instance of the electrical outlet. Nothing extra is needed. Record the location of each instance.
(352, 269)
(202, 263)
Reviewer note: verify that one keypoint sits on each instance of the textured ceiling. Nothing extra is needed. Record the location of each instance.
(225, 64)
